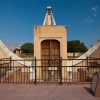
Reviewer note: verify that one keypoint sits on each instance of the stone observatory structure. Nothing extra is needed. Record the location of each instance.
(50, 44)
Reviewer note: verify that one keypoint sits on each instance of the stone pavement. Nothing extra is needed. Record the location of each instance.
(45, 92)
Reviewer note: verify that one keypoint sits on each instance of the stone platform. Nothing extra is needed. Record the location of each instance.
(45, 92)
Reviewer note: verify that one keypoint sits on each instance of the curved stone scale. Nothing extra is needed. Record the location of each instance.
(89, 53)
(5, 53)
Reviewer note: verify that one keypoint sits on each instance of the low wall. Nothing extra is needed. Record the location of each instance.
(74, 54)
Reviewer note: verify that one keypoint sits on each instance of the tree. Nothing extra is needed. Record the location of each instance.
(27, 48)
(76, 46)
(82, 48)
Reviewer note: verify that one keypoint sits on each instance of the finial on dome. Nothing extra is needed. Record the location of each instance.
(49, 9)
(49, 19)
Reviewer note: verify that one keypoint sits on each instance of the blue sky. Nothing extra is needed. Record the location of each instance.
(17, 18)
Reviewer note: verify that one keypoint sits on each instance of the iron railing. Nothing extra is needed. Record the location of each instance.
(48, 71)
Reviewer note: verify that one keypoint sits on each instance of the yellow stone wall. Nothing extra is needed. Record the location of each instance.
(50, 33)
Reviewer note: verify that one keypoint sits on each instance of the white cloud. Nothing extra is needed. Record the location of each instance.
(89, 20)
(94, 8)
(95, 15)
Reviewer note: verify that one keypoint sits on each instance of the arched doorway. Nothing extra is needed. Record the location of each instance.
(50, 55)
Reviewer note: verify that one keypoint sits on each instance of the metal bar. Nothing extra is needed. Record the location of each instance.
(35, 71)
(60, 71)
(0, 74)
(13, 72)
(10, 62)
(24, 71)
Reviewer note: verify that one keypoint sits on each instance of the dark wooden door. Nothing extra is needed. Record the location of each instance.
(50, 54)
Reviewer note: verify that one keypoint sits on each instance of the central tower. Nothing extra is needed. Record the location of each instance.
(49, 43)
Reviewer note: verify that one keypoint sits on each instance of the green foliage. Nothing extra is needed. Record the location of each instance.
(27, 48)
(76, 46)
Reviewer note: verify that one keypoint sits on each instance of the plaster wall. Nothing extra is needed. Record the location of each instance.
(50, 33)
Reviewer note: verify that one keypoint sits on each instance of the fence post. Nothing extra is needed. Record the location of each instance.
(35, 71)
(87, 61)
(60, 71)
(10, 62)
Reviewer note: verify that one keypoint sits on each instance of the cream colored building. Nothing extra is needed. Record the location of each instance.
(50, 43)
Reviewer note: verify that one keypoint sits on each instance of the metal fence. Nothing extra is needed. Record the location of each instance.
(48, 71)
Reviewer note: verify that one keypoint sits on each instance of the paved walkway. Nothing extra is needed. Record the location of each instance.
(45, 92)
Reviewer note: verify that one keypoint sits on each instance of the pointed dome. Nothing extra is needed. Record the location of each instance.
(49, 19)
